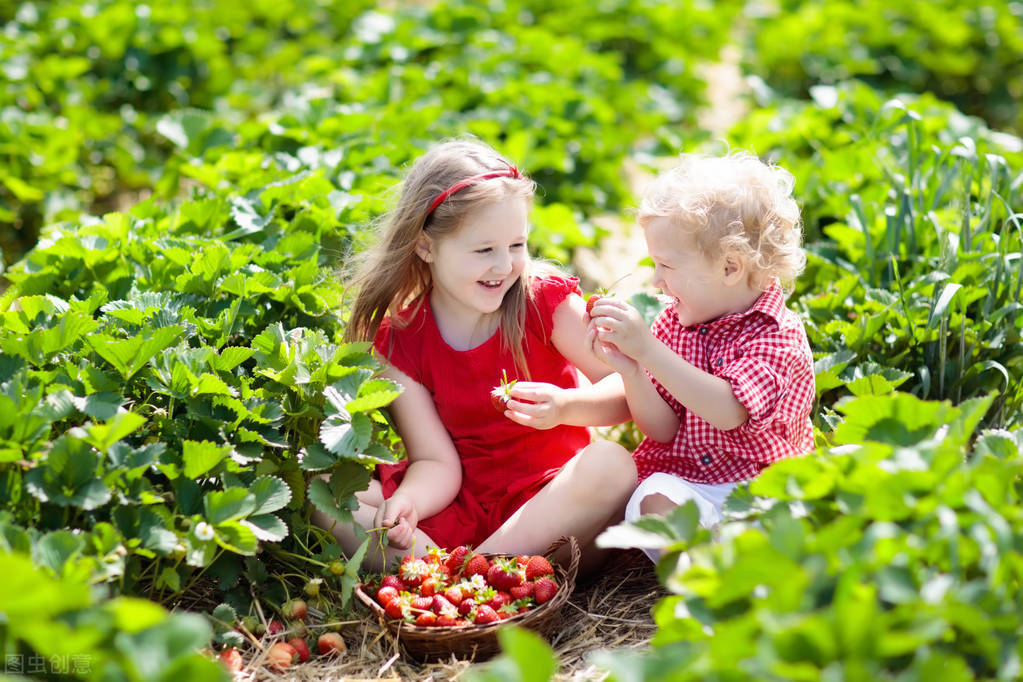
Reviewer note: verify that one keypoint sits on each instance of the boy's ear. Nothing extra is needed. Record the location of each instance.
(734, 268)
(424, 248)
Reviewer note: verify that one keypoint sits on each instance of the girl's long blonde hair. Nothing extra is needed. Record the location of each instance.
(390, 276)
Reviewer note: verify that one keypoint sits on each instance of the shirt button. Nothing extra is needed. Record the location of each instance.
(703, 331)
(720, 361)
(706, 460)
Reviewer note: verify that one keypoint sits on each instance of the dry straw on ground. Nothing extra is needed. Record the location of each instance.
(610, 610)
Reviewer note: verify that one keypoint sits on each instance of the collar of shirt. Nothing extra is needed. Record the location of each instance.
(770, 303)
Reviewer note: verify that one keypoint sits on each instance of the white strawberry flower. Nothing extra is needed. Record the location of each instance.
(203, 531)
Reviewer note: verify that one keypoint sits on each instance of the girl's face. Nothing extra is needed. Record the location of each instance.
(475, 266)
(682, 272)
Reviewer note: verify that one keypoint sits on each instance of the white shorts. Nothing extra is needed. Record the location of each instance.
(709, 498)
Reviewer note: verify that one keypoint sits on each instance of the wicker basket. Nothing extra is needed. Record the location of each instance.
(478, 642)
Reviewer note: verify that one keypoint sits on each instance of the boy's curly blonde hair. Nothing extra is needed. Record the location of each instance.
(734, 203)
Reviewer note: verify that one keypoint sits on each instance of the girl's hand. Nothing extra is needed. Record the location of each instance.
(399, 516)
(620, 326)
(536, 404)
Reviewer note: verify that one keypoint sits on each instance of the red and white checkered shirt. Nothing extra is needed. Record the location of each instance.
(764, 354)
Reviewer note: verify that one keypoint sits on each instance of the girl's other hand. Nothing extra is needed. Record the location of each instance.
(399, 516)
(535, 404)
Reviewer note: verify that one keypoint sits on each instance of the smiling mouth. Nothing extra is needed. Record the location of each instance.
(492, 283)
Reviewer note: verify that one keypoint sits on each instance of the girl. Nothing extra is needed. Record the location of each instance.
(451, 300)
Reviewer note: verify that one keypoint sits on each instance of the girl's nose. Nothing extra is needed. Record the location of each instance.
(504, 262)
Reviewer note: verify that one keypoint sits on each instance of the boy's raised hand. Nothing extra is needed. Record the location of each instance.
(621, 333)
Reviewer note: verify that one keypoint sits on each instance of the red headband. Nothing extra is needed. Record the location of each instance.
(510, 171)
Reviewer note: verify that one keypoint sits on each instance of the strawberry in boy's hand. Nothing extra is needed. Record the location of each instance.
(590, 302)
(501, 394)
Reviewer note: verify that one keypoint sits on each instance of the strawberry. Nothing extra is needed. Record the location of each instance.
(422, 603)
(504, 574)
(413, 572)
(393, 581)
(296, 609)
(544, 590)
(485, 614)
(449, 619)
(456, 559)
(312, 588)
(331, 644)
(440, 603)
(274, 628)
(280, 656)
(522, 559)
(435, 556)
(466, 607)
(501, 394)
(386, 594)
(477, 565)
(337, 567)
(426, 619)
(499, 600)
(590, 302)
(537, 567)
(523, 590)
(232, 659)
(454, 594)
(301, 648)
(429, 586)
(397, 607)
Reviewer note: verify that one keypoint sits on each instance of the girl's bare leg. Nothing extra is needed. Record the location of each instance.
(586, 496)
(380, 555)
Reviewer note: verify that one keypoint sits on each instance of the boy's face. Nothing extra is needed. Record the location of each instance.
(682, 272)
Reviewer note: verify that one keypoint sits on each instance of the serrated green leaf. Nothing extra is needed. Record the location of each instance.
(267, 527)
(236, 537)
(374, 394)
(347, 439)
(200, 457)
(221, 506)
(271, 494)
(103, 436)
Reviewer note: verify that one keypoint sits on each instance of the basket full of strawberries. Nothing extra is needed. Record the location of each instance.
(453, 602)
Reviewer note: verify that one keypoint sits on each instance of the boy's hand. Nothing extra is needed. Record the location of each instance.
(399, 516)
(619, 327)
(535, 404)
(609, 355)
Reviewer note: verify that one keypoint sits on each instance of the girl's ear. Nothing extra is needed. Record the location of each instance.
(734, 268)
(424, 248)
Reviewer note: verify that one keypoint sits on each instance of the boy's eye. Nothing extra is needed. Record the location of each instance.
(484, 250)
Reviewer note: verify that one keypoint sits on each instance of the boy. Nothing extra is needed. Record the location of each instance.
(722, 384)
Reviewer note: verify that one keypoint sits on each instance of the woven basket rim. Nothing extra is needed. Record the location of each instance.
(470, 635)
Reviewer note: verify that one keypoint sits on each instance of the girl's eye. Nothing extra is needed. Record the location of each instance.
(485, 250)
(519, 245)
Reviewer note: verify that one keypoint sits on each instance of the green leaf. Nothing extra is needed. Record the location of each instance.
(221, 506)
(103, 436)
(30, 594)
(344, 438)
(373, 395)
(267, 527)
(236, 537)
(200, 457)
(271, 494)
(56, 548)
(130, 355)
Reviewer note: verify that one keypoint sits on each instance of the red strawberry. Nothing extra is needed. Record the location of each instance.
(413, 572)
(499, 600)
(422, 603)
(449, 619)
(466, 606)
(504, 574)
(301, 648)
(232, 659)
(274, 628)
(435, 556)
(426, 619)
(386, 594)
(393, 581)
(522, 559)
(544, 590)
(331, 644)
(501, 394)
(485, 614)
(454, 594)
(590, 302)
(397, 607)
(477, 565)
(441, 604)
(521, 591)
(429, 586)
(537, 567)
(456, 559)
(295, 609)
(280, 656)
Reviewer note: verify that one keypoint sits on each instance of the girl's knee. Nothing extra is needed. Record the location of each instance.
(610, 467)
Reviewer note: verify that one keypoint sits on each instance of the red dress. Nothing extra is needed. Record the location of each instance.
(503, 463)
